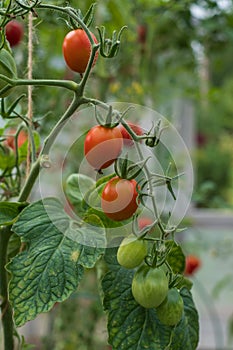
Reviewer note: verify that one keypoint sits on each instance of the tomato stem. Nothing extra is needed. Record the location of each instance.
(67, 84)
(6, 311)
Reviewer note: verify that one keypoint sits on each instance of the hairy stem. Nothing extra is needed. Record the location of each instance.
(6, 311)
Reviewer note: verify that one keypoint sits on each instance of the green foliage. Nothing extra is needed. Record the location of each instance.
(147, 332)
(9, 212)
(51, 266)
(76, 187)
(176, 258)
(49, 250)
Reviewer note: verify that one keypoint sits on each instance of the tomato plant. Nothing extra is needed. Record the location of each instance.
(77, 50)
(14, 32)
(48, 247)
(102, 146)
(171, 309)
(119, 198)
(131, 252)
(150, 286)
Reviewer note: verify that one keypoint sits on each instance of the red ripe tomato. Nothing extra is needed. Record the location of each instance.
(126, 136)
(77, 49)
(22, 138)
(119, 198)
(14, 32)
(102, 146)
(142, 33)
(192, 264)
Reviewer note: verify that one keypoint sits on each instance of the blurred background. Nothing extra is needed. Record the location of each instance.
(176, 58)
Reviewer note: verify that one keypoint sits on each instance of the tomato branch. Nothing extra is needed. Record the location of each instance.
(67, 84)
(6, 312)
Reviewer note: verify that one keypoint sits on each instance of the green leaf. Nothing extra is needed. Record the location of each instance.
(51, 267)
(9, 211)
(13, 246)
(93, 195)
(184, 282)
(89, 16)
(77, 186)
(176, 258)
(133, 327)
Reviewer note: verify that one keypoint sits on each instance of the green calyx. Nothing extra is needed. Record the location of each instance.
(128, 170)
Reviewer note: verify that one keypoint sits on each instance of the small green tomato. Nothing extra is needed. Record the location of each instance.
(131, 252)
(171, 310)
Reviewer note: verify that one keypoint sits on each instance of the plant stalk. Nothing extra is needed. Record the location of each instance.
(6, 310)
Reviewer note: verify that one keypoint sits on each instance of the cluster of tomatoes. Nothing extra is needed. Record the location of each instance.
(150, 285)
(119, 199)
(102, 147)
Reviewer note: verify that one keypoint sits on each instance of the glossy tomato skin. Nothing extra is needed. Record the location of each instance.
(102, 146)
(131, 252)
(119, 198)
(150, 286)
(77, 50)
(128, 141)
(192, 264)
(14, 32)
(171, 310)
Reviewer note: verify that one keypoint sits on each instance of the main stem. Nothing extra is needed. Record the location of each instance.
(6, 311)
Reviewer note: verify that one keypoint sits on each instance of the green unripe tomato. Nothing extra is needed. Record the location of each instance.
(131, 252)
(7, 68)
(171, 310)
(150, 286)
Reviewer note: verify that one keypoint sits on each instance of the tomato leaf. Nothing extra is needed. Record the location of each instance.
(89, 16)
(13, 246)
(176, 257)
(51, 266)
(76, 187)
(147, 332)
(9, 211)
